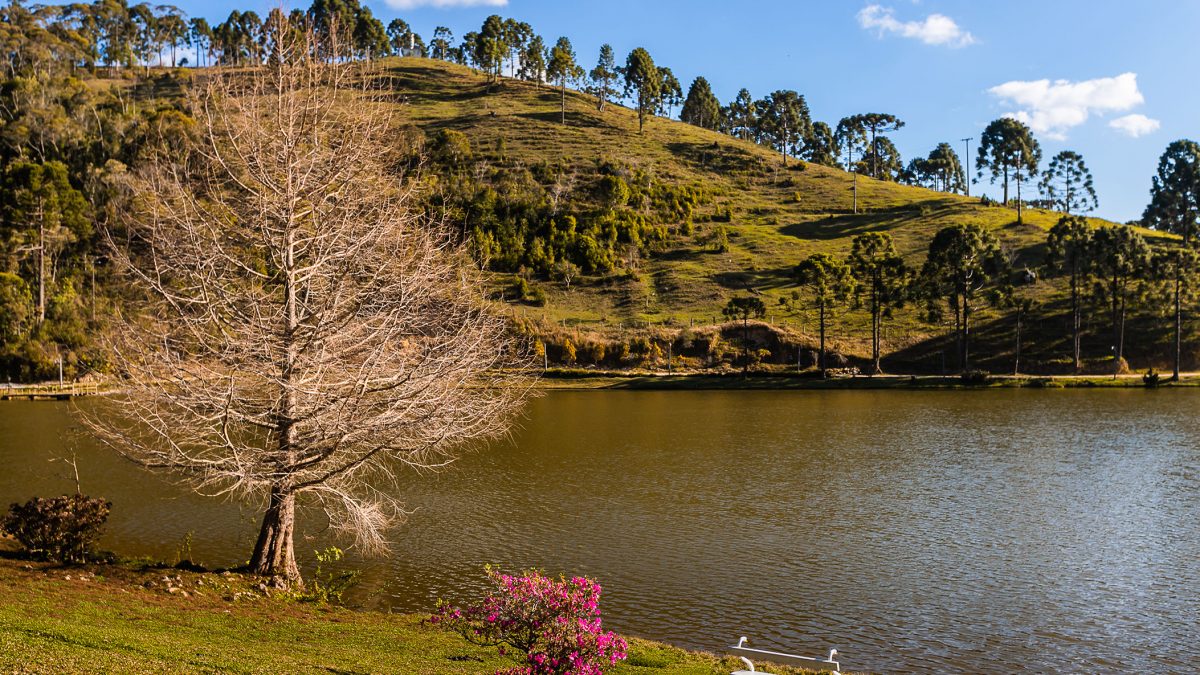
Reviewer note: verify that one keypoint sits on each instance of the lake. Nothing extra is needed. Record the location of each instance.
(983, 531)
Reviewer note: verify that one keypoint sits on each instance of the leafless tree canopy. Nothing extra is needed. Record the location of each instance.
(301, 331)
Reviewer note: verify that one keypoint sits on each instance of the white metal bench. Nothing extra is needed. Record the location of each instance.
(808, 662)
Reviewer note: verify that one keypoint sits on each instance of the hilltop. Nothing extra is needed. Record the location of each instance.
(771, 216)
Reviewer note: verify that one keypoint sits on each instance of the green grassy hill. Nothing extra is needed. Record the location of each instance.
(774, 217)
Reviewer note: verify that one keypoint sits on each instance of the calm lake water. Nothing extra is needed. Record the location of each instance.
(984, 531)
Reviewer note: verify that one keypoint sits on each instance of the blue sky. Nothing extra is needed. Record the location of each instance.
(1112, 80)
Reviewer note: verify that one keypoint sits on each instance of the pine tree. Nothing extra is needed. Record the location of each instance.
(701, 108)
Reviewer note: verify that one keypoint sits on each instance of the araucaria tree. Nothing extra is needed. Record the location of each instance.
(604, 75)
(830, 284)
(562, 68)
(882, 282)
(1068, 183)
(299, 332)
(1177, 268)
(701, 107)
(963, 261)
(852, 136)
(670, 92)
(1119, 258)
(1069, 251)
(875, 124)
(744, 308)
(941, 170)
(786, 122)
(643, 82)
(1175, 191)
(1007, 149)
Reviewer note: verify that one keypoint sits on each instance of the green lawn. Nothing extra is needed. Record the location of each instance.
(120, 618)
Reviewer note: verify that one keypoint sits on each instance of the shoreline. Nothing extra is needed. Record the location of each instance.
(556, 379)
(661, 381)
(143, 617)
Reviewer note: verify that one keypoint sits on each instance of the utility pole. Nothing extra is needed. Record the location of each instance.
(967, 142)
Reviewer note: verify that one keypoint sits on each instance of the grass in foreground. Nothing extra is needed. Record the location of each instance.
(128, 618)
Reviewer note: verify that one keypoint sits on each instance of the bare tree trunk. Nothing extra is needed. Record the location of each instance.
(1116, 325)
(821, 365)
(1019, 198)
(1017, 358)
(1075, 316)
(1005, 184)
(966, 335)
(874, 154)
(876, 310)
(41, 304)
(745, 346)
(1178, 326)
(274, 554)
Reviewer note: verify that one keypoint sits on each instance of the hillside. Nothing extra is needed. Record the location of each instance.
(774, 217)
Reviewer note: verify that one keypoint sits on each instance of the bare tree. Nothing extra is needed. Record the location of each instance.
(300, 332)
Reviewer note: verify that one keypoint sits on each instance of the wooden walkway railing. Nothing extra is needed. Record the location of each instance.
(60, 392)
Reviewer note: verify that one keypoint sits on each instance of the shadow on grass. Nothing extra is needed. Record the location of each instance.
(756, 280)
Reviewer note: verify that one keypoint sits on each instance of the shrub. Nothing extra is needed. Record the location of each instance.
(328, 585)
(554, 623)
(60, 528)
(975, 377)
(1150, 378)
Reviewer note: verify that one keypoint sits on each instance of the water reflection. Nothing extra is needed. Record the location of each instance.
(979, 531)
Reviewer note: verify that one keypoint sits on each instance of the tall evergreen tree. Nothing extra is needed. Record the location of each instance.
(1069, 247)
(200, 38)
(743, 118)
(820, 146)
(1068, 183)
(533, 61)
(851, 136)
(642, 82)
(830, 283)
(786, 121)
(562, 68)
(1178, 269)
(963, 261)
(701, 108)
(1007, 149)
(1175, 191)
(47, 215)
(670, 92)
(882, 283)
(441, 43)
(882, 159)
(944, 167)
(491, 47)
(604, 76)
(1119, 259)
(872, 125)
(744, 308)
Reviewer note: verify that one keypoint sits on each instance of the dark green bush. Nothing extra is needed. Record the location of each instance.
(975, 377)
(59, 528)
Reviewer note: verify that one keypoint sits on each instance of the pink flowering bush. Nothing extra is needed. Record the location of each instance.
(553, 623)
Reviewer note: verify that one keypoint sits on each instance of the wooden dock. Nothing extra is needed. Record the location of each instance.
(47, 392)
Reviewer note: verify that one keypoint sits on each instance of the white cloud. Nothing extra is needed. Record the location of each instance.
(443, 4)
(935, 29)
(1135, 125)
(1052, 108)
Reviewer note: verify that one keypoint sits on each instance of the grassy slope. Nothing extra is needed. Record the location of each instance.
(117, 618)
(779, 216)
